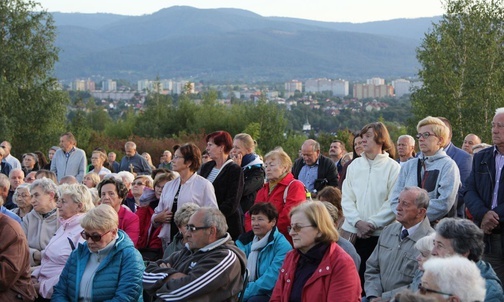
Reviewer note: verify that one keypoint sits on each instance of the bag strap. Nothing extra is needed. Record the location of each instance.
(287, 190)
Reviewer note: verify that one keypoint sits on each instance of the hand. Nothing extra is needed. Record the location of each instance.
(165, 265)
(364, 229)
(164, 217)
(377, 299)
(37, 256)
(176, 276)
(489, 222)
(237, 158)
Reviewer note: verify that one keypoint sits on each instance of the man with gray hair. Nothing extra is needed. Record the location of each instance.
(484, 197)
(4, 192)
(405, 148)
(384, 272)
(134, 162)
(166, 159)
(210, 268)
(313, 169)
(462, 237)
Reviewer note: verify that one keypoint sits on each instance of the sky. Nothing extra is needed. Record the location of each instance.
(356, 11)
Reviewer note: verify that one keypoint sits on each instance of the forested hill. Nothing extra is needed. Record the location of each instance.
(233, 44)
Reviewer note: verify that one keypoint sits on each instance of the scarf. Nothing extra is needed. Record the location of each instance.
(257, 246)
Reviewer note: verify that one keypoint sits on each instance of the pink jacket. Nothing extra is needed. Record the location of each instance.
(335, 279)
(56, 254)
(129, 223)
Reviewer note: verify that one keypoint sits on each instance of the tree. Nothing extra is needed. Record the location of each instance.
(32, 109)
(462, 67)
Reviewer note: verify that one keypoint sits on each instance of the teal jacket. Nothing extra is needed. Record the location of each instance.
(269, 261)
(493, 285)
(118, 278)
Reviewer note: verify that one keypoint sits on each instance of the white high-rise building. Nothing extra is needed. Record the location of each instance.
(401, 87)
(337, 87)
(109, 85)
(375, 81)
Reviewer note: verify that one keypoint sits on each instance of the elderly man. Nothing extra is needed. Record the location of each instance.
(69, 160)
(15, 283)
(14, 162)
(4, 192)
(405, 148)
(16, 177)
(210, 268)
(166, 159)
(462, 237)
(111, 157)
(485, 197)
(469, 141)
(134, 162)
(384, 272)
(336, 152)
(313, 169)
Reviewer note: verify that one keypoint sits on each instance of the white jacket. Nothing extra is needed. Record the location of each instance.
(366, 191)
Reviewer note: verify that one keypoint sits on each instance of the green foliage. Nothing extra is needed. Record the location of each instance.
(462, 67)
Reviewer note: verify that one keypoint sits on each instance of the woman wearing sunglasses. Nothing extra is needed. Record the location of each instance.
(106, 267)
(73, 202)
(317, 269)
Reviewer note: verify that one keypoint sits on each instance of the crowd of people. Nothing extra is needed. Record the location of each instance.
(226, 224)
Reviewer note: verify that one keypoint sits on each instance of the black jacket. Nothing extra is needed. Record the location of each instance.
(253, 181)
(228, 190)
(327, 172)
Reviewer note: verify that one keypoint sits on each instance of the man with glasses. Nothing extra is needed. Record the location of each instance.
(210, 268)
(484, 196)
(393, 262)
(433, 171)
(463, 238)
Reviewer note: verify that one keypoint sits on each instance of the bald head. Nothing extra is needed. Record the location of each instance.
(310, 151)
(469, 141)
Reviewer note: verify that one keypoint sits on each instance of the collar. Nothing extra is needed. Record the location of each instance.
(44, 216)
(412, 230)
(71, 150)
(496, 151)
(315, 254)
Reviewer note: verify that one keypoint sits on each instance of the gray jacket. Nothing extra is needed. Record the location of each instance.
(442, 182)
(393, 262)
(74, 165)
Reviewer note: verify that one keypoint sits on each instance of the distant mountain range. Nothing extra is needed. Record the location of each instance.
(233, 45)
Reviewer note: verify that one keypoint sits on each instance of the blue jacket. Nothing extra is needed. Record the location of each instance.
(492, 283)
(269, 261)
(118, 278)
(464, 163)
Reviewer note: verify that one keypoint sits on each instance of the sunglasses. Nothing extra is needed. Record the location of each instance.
(296, 228)
(94, 237)
(138, 183)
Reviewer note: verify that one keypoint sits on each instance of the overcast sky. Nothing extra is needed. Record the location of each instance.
(323, 10)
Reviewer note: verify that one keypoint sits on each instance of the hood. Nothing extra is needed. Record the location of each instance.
(254, 160)
(429, 159)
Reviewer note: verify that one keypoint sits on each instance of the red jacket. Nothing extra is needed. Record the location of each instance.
(129, 223)
(335, 279)
(295, 195)
(146, 240)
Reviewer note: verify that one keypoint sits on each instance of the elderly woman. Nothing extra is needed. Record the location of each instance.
(98, 159)
(22, 199)
(137, 188)
(112, 192)
(149, 244)
(73, 202)
(318, 269)
(107, 267)
(265, 248)
(30, 163)
(181, 219)
(91, 180)
(243, 154)
(434, 171)
(282, 190)
(227, 179)
(189, 187)
(42, 222)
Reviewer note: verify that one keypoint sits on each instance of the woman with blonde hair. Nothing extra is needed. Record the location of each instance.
(98, 159)
(73, 202)
(106, 267)
(243, 154)
(317, 269)
(281, 189)
(91, 180)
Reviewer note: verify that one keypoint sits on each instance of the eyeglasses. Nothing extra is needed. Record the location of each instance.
(423, 290)
(191, 228)
(425, 135)
(296, 228)
(138, 183)
(177, 157)
(94, 237)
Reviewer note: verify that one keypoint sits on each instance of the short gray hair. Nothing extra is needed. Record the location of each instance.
(4, 181)
(14, 170)
(422, 199)
(47, 186)
(410, 138)
(457, 276)
(464, 235)
(128, 175)
(214, 217)
(499, 110)
(24, 186)
(79, 193)
(185, 212)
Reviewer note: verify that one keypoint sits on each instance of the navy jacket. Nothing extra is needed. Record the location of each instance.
(463, 161)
